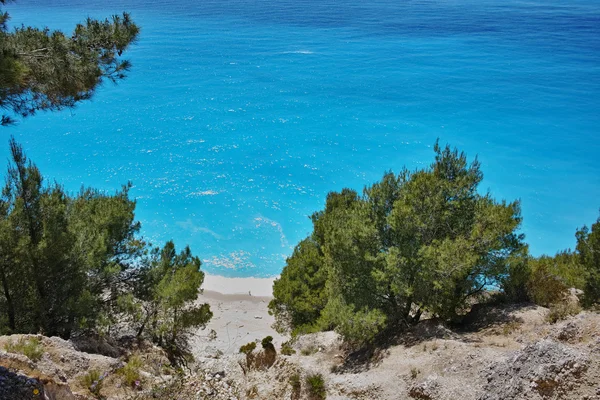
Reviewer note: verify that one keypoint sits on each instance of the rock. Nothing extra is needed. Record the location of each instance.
(14, 386)
(426, 389)
(18, 386)
(569, 333)
(545, 367)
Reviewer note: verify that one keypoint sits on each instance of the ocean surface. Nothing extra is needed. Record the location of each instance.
(240, 115)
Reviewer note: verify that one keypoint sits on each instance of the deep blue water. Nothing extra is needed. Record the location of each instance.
(240, 115)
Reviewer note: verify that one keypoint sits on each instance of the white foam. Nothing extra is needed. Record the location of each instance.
(299, 52)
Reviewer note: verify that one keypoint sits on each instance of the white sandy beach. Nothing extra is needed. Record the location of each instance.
(255, 286)
(240, 313)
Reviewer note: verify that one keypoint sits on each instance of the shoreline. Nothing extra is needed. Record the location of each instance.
(259, 287)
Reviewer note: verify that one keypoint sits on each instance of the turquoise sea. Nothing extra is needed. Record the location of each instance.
(240, 115)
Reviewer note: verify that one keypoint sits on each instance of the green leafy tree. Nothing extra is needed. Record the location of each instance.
(36, 224)
(63, 259)
(588, 249)
(107, 247)
(299, 294)
(545, 285)
(417, 241)
(164, 307)
(42, 69)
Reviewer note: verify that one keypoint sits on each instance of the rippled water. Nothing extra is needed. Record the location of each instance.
(240, 115)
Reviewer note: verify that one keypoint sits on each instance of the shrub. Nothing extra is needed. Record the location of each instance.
(514, 283)
(545, 287)
(286, 349)
(415, 241)
(309, 350)
(266, 358)
(561, 311)
(296, 385)
(510, 327)
(316, 387)
(588, 248)
(414, 372)
(32, 348)
(131, 372)
(93, 381)
(248, 348)
(267, 342)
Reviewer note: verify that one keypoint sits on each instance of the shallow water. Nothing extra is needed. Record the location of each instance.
(239, 116)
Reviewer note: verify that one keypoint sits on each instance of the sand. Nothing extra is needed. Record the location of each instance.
(240, 313)
(255, 286)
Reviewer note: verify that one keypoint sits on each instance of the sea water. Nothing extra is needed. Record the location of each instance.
(238, 116)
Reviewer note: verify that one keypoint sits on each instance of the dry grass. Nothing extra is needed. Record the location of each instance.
(32, 348)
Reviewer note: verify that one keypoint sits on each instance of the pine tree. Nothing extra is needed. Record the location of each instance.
(42, 69)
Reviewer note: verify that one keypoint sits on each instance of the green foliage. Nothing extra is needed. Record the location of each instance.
(299, 294)
(163, 307)
(296, 385)
(413, 242)
(263, 359)
(548, 278)
(309, 350)
(61, 255)
(93, 381)
(545, 284)
(588, 250)
(267, 342)
(42, 69)
(561, 311)
(32, 348)
(515, 282)
(268, 356)
(357, 326)
(287, 349)
(315, 386)
(248, 348)
(75, 263)
(131, 372)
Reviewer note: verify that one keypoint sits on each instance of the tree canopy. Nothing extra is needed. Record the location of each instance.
(588, 252)
(43, 69)
(423, 240)
(76, 263)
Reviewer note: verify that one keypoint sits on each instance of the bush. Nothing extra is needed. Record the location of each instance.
(32, 348)
(286, 349)
(296, 385)
(561, 311)
(267, 342)
(545, 286)
(248, 348)
(131, 372)
(588, 248)
(514, 283)
(93, 382)
(316, 387)
(264, 359)
(414, 242)
(268, 355)
(414, 372)
(309, 350)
